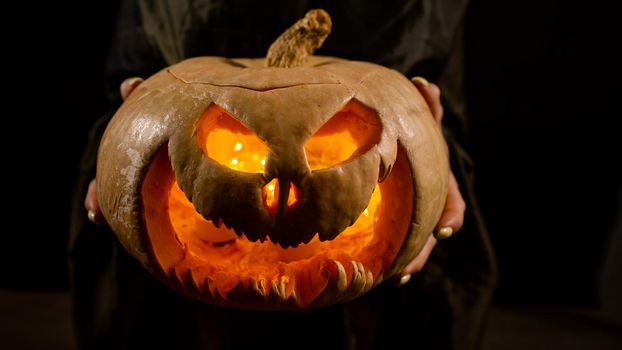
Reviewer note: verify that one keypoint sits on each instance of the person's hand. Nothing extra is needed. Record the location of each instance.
(453, 215)
(91, 203)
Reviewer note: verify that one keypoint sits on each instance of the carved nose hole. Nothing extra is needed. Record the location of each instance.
(294, 197)
(270, 196)
(277, 202)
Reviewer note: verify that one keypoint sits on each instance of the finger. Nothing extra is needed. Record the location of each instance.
(452, 217)
(128, 85)
(419, 261)
(91, 204)
(432, 95)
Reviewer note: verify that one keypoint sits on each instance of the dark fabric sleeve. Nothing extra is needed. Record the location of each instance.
(133, 53)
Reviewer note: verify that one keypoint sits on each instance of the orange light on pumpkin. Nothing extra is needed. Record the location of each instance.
(349, 133)
(230, 143)
(270, 194)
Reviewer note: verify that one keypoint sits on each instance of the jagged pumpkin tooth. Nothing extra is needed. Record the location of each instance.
(369, 281)
(191, 283)
(337, 286)
(357, 281)
(256, 287)
(238, 294)
(288, 286)
(341, 278)
(277, 294)
(210, 288)
(207, 292)
(367, 278)
(277, 287)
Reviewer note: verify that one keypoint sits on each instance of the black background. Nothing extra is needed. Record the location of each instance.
(542, 87)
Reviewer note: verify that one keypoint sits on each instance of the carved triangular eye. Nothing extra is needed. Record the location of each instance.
(229, 142)
(351, 132)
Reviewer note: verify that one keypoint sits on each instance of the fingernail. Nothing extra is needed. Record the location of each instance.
(421, 80)
(403, 280)
(132, 82)
(91, 215)
(444, 233)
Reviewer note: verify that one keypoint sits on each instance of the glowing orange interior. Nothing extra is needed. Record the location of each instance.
(352, 131)
(230, 143)
(270, 196)
(183, 241)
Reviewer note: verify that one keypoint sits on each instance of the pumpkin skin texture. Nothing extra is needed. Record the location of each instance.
(322, 250)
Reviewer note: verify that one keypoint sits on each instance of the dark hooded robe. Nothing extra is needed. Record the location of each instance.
(119, 305)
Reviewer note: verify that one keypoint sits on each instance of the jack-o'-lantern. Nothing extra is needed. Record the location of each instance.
(291, 185)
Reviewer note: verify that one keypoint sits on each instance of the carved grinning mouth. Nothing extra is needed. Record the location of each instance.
(214, 264)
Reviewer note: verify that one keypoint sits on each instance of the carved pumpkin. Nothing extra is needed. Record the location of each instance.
(269, 187)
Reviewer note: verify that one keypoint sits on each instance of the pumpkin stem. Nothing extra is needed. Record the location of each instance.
(292, 48)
